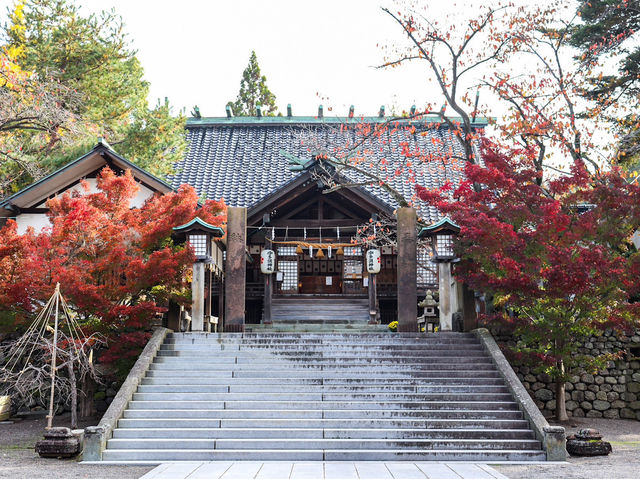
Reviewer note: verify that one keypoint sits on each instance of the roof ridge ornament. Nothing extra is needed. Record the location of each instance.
(295, 163)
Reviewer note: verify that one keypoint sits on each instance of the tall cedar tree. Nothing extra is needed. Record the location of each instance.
(253, 92)
(557, 258)
(608, 33)
(117, 266)
(101, 85)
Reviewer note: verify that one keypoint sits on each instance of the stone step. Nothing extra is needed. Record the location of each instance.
(343, 413)
(347, 350)
(322, 405)
(321, 396)
(477, 455)
(336, 381)
(313, 352)
(300, 443)
(413, 362)
(287, 388)
(321, 433)
(322, 373)
(294, 369)
(327, 339)
(410, 423)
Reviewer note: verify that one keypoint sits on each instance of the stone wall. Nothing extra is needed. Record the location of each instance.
(611, 393)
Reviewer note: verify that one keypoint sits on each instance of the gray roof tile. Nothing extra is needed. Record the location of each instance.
(242, 163)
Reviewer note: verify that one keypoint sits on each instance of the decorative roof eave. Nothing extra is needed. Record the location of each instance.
(200, 225)
(445, 224)
(37, 191)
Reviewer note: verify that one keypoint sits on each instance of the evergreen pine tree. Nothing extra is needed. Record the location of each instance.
(253, 92)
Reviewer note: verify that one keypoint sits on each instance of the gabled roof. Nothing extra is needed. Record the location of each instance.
(245, 160)
(445, 224)
(200, 225)
(59, 180)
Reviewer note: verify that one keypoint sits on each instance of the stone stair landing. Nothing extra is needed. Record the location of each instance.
(322, 397)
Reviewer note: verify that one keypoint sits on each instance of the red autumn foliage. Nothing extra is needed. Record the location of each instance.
(117, 266)
(557, 257)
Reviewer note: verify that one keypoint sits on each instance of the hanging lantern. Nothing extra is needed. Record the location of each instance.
(299, 250)
(320, 253)
(373, 261)
(267, 261)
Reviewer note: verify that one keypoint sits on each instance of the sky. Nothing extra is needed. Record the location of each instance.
(194, 52)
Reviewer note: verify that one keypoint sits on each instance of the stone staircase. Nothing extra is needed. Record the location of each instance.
(313, 314)
(315, 397)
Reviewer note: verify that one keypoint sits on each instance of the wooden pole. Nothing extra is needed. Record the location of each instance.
(53, 359)
(373, 310)
(268, 295)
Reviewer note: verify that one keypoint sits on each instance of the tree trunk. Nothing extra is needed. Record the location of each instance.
(561, 410)
(74, 396)
(86, 405)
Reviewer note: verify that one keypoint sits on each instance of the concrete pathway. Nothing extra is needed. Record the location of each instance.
(322, 470)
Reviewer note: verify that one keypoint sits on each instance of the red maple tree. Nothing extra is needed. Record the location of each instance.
(117, 266)
(555, 256)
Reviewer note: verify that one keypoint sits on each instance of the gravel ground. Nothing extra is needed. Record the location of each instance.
(622, 463)
(19, 460)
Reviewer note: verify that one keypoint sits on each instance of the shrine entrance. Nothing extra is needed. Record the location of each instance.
(330, 271)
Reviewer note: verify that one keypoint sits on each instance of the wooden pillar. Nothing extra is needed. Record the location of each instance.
(235, 270)
(373, 310)
(407, 288)
(268, 294)
(197, 297)
(445, 300)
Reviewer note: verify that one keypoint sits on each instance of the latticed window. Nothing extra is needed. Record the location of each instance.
(353, 251)
(199, 244)
(289, 271)
(444, 245)
(286, 251)
(426, 271)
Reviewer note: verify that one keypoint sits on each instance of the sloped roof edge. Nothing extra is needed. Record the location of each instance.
(195, 222)
(101, 147)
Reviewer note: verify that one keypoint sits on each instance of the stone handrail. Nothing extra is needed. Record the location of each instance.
(552, 437)
(96, 437)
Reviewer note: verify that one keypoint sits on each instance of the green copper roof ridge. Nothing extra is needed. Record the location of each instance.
(443, 221)
(269, 120)
(200, 222)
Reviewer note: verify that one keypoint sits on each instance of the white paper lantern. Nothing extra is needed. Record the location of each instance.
(373, 261)
(267, 261)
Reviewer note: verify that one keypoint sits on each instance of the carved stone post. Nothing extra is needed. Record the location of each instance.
(197, 297)
(235, 269)
(444, 303)
(407, 288)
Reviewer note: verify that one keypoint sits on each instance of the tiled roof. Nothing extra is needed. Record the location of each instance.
(240, 159)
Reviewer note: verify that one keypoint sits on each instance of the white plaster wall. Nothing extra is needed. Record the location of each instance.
(144, 193)
(36, 220)
(39, 220)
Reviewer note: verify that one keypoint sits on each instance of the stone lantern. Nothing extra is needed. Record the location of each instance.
(442, 236)
(199, 235)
